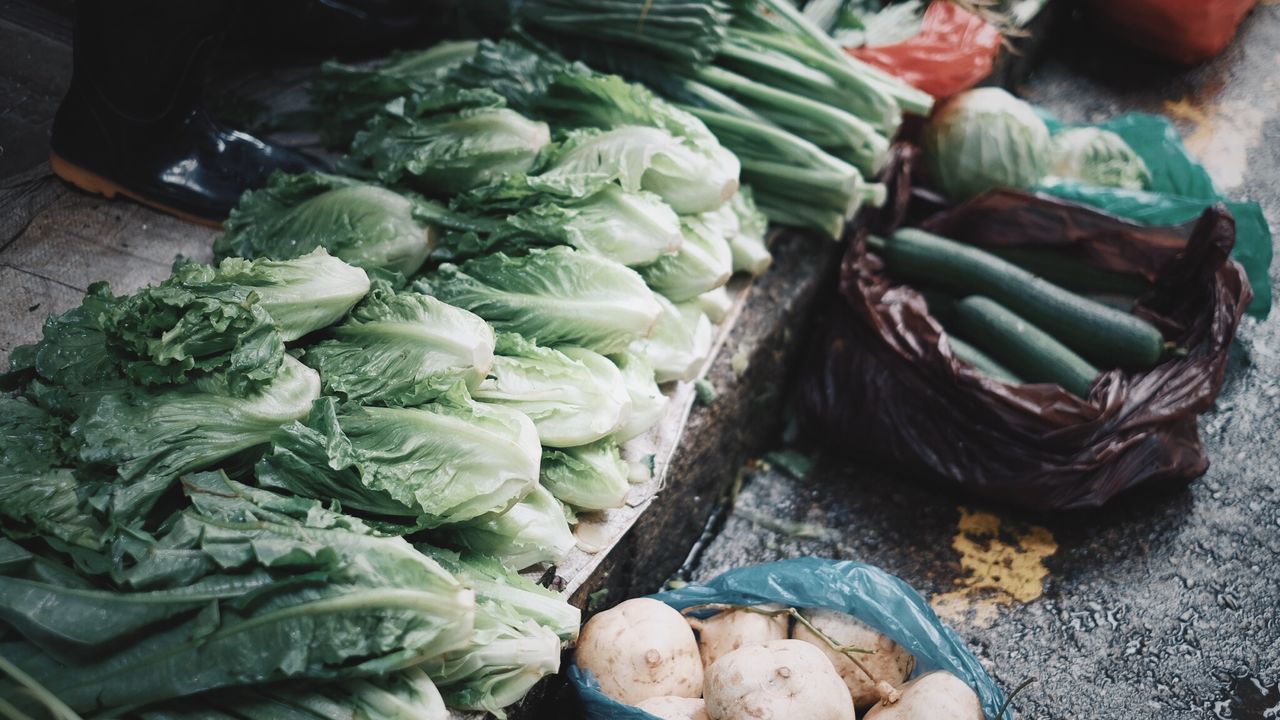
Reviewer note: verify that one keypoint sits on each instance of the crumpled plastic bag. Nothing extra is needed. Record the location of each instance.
(954, 51)
(1180, 191)
(878, 599)
(880, 381)
(1185, 31)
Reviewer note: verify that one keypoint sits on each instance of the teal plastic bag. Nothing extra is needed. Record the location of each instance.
(1180, 190)
(878, 599)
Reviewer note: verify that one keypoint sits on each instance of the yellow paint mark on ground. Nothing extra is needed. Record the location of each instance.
(1002, 565)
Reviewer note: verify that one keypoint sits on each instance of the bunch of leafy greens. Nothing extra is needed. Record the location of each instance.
(534, 530)
(552, 297)
(680, 343)
(703, 263)
(519, 626)
(447, 142)
(573, 396)
(243, 587)
(362, 224)
(587, 477)
(448, 461)
(402, 348)
(648, 404)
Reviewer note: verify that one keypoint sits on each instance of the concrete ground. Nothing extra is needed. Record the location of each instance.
(1165, 604)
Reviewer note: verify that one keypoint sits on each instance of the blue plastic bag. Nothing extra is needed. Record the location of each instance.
(880, 600)
(1180, 190)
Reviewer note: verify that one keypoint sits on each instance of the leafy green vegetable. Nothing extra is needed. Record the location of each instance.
(648, 404)
(402, 348)
(150, 437)
(553, 297)
(444, 153)
(747, 242)
(640, 158)
(680, 343)
(38, 492)
(72, 352)
(245, 587)
(716, 304)
(632, 228)
(703, 263)
(588, 477)
(674, 29)
(445, 462)
(983, 139)
(345, 96)
(534, 530)
(362, 224)
(519, 627)
(1095, 156)
(574, 396)
(301, 295)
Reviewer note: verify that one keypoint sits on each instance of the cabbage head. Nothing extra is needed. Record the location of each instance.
(983, 139)
(1094, 156)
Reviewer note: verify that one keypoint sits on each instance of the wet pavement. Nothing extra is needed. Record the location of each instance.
(1166, 603)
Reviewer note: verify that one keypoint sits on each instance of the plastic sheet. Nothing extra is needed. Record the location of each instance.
(882, 382)
(953, 52)
(875, 597)
(1186, 31)
(1180, 190)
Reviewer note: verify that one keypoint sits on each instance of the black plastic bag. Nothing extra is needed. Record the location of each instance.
(881, 382)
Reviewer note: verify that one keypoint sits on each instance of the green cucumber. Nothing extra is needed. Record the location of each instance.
(1070, 272)
(1105, 335)
(1022, 347)
(981, 361)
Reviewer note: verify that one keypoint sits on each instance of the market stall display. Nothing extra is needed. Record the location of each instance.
(305, 480)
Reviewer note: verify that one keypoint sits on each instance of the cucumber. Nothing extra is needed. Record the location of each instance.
(981, 361)
(1025, 349)
(1105, 335)
(1070, 272)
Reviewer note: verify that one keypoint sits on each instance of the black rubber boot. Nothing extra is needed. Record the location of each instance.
(131, 123)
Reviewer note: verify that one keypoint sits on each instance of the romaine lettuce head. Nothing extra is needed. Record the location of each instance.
(680, 343)
(648, 404)
(448, 153)
(553, 297)
(449, 461)
(72, 351)
(747, 241)
(983, 139)
(362, 224)
(302, 295)
(588, 477)
(494, 582)
(151, 437)
(703, 263)
(402, 348)
(1094, 156)
(641, 158)
(716, 304)
(632, 228)
(345, 96)
(534, 530)
(508, 655)
(573, 396)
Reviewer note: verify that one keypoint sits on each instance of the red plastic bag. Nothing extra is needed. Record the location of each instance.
(882, 383)
(953, 52)
(1185, 31)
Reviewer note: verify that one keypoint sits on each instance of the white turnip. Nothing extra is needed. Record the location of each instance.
(729, 630)
(675, 708)
(641, 649)
(778, 680)
(887, 663)
(932, 696)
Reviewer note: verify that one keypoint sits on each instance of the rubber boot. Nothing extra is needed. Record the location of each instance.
(131, 123)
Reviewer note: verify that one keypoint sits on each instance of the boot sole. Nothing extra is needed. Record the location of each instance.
(96, 184)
